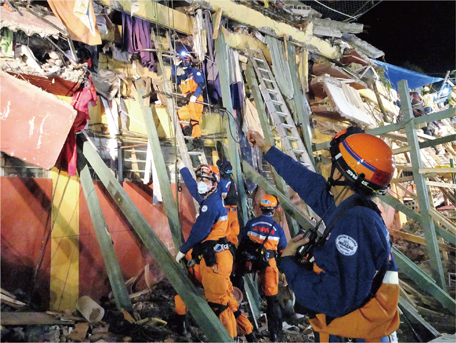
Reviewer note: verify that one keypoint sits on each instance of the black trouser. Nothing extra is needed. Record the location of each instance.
(274, 314)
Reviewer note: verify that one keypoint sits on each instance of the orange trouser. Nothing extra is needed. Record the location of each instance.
(217, 289)
(192, 111)
(233, 225)
(270, 278)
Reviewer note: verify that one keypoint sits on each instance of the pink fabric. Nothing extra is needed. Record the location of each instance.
(67, 160)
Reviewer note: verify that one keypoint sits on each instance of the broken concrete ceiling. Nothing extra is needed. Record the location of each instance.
(31, 24)
(36, 138)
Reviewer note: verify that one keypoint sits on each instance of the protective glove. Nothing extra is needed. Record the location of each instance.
(188, 96)
(192, 98)
(179, 256)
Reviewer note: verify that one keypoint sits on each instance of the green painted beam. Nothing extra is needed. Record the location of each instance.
(398, 126)
(416, 320)
(261, 108)
(421, 189)
(425, 282)
(165, 184)
(300, 101)
(231, 129)
(285, 202)
(398, 205)
(437, 141)
(119, 290)
(198, 307)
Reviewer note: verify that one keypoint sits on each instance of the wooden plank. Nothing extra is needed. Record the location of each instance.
(104, 239)
(441, 184)
(218, 18)
(165, 184)
(437, 170)
(31, 318)
(417, 239)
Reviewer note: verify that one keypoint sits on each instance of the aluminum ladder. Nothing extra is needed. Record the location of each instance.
(278, 110)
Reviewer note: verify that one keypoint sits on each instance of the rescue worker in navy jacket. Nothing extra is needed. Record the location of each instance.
(264, 231)
(352, 288)
(210, 247)
(229, 194)
(191, 83)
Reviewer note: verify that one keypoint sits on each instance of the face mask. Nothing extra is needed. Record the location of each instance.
(202, 187)
(185, 64)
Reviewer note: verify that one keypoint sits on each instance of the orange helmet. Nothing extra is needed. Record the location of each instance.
(366, 162)
(209, 172)
(269, 202)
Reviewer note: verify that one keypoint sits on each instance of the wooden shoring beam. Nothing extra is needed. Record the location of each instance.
(285, 203)
(379, 131)
(119, 290)
(252, 82)
(302, 106)
(233, 151)
(163, 180)
(396, 204)
(200, 310)
(425, 282)
(421, 189)
(415, 319)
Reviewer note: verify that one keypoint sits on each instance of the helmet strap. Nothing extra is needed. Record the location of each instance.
(331, 182)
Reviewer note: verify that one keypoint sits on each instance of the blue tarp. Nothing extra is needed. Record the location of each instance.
(414, 79)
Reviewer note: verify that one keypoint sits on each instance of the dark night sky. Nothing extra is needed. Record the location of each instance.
(420, 32)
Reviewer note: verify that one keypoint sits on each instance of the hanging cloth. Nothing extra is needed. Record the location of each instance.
(73, 13)
(68, 156)
(136, 38)
(281, 70)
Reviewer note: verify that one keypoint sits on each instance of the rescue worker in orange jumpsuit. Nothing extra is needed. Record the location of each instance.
(211, 250)
(191, 83)
(351, 287)
(264, 231)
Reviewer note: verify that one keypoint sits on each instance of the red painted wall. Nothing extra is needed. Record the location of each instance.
(25, 219)
(25, 206)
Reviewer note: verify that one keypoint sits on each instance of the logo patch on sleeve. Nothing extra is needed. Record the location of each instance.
(204, 208)
(346, 245)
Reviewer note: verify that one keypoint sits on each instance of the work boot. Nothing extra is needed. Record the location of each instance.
(250, 337)
(274, 337)
(181, 325)
(187, 131)
(198, 144)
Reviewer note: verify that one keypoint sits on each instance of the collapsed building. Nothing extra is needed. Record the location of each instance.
(92, 203)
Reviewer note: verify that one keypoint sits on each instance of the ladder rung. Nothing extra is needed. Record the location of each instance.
(297, 151)
(272, 91)
(133, 160)
(258, 59)
(265, 79)
(277, 102)
(184, 122)
(282, 114)
(189, 137)
(288, 126)
(291, 138)
(195, 153)
(262, 69)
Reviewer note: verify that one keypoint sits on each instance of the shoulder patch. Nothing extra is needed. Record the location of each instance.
(204, 208)
(198, 73)
(346, 245)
